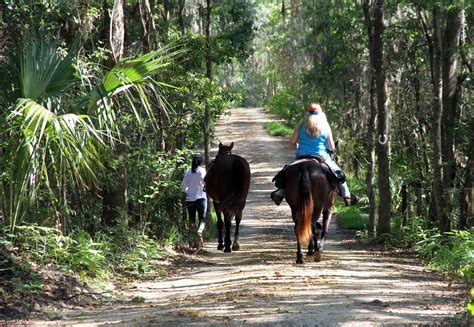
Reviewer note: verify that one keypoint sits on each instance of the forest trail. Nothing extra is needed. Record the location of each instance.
(262, 285)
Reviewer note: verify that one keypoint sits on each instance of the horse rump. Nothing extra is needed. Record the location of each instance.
(240, 183)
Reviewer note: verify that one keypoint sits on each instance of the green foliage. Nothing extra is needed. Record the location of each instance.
(154, 179)
(404, 236)
(234, 22)
(470, 305)
(452, 252)
(350, 218)
(76, 253)
(287, 106)
(20, 283)
(210, 232)
(56, 136)
(129, 251)
(124, 251)
(278, 129)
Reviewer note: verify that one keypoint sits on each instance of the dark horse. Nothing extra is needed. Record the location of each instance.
(309, 193)
(227, 183)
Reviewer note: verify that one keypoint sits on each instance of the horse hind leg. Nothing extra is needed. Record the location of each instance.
(318, 256)
(220, 225)
(313, 242)
(310, 246)
(327, 215)
(236, 244)
(299, 254)
(318, 252)
(227, 241)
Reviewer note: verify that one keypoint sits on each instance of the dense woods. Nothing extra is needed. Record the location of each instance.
(104, 102)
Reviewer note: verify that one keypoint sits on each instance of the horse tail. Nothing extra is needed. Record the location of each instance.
(305, 217)
(235, 201)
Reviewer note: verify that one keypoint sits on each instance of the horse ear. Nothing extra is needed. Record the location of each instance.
(231, 145)
(220, 145)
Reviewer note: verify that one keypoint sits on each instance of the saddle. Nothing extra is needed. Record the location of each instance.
(335, 178)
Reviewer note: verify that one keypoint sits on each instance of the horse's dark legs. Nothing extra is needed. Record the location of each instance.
(313, 242)
(327, 215)
(220, 225)
(227, 241)
(299, 254)
(236, 244)
(317, 253)
(310, 246)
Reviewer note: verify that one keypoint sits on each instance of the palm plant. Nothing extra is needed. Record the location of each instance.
(57, 127)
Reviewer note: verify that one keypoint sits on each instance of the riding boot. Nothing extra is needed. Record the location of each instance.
(351, 200)
(278, 195)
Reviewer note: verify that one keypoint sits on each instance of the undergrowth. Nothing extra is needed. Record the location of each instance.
(99, 257)
(278, 129)
(350, 218)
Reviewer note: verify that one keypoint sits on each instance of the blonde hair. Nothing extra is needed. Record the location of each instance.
(315, 125)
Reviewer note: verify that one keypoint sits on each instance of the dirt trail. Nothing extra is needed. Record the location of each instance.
(262, 285)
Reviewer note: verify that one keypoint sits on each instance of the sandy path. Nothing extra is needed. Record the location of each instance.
(261, 284)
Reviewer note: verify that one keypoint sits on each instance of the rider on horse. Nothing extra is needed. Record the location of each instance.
(313, 137)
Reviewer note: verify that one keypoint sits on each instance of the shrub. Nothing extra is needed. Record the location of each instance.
(350, 218)
(452, 252)
(286, 106)
(278, 129)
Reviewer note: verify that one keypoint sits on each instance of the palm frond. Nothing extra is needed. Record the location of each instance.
(43, 72)
(47, 139)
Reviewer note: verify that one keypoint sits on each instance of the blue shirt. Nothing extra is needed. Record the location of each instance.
(311, 145)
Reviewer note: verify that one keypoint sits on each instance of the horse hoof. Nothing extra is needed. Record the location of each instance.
(227, 250)
(220, 247)
(299, 261)
(318, 257)
(235, 247)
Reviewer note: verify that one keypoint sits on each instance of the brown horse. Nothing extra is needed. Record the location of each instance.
(309, 193)
(227, 183)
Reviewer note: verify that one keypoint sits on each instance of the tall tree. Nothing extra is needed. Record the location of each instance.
(148, 23)
(114, 193)
(443, 47)
(450, 95)
(371, 125)
(383, 144)
(207, 113)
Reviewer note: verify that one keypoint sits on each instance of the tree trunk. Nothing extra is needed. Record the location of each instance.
(149, 30)
(207, 113)
(467, 218)
(450, 104)
(434, 47)
(181, 6)
(114, 196)
(3, 31)
(117, 30)
(383, 225)
(371, 124)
